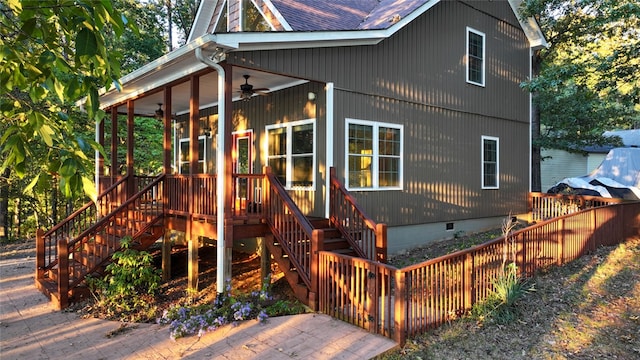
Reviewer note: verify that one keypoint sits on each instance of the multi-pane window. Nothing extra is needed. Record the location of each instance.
(291, 153)
(490, 162)
(475, 57)
(184, 158)
(374, 155)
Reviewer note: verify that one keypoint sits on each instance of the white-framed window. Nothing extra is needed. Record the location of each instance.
(475, 57)
(374, 155)
(490, 162)
(291, 153)
(183, 155)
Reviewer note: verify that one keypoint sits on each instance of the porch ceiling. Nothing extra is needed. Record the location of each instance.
(146, 105)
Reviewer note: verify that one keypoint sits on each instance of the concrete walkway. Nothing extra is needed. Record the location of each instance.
(31, 329)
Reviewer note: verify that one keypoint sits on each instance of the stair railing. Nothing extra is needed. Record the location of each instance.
(133, 218)
(367, 238)
(299, 240)
(76, 223)
(94, 246)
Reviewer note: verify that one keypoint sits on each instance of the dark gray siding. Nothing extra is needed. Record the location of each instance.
(417, 78)
(284, 106)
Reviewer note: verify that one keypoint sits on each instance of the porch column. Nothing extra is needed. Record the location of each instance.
(99, 157)
(114, 145)
(194, 131)
(130, 184)
(166, 162)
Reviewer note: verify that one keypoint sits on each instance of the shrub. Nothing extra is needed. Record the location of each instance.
(127, 292)
(501, 304)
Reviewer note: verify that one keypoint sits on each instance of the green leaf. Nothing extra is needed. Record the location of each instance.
(31, 184)
(86, 43)
(45, 132)
(69, 168)
(90, 189)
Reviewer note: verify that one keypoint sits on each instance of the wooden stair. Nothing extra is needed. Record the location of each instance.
(333, 241)
(75, 249)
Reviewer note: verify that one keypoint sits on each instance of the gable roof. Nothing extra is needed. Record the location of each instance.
(345, 15)
(306, 24)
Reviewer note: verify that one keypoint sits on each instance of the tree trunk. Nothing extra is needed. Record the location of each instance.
(536, 181)
(4, 205)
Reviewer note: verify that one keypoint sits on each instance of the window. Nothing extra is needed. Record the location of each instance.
(291, 153)
(490, 162)
(252, 18)
(475, 57)
(374, 155)
(183, 155)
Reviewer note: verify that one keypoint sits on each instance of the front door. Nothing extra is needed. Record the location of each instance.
(242, 154)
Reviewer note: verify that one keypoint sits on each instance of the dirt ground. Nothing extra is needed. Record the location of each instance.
(245, 272)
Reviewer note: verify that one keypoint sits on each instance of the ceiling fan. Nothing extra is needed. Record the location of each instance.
(247, 90)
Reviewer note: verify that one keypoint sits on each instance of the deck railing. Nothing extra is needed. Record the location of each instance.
(398, 303)
(246, 192)
(78, 254)
(299, 240)
(546, 206)
(367, 238)
(79, 221)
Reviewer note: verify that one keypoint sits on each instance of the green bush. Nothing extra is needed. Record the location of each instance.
(127, 292)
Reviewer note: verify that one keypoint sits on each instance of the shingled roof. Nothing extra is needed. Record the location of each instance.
(313, 15)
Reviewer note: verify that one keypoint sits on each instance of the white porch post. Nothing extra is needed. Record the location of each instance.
(329, 146)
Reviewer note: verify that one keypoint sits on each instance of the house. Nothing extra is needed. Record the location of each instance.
(559, 164)
(413, 105)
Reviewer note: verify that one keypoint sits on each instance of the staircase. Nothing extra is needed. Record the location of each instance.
(296, 240)
(83, 244)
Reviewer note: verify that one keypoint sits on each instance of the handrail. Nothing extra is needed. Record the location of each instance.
(48, 253)
(291, 227)
(366, 237)
(115, 212)
(543, 206)
(85, 206)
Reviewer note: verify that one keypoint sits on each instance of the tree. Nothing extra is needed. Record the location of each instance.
(53, 56)
(145, 43)
(182, 14)
(585, 83)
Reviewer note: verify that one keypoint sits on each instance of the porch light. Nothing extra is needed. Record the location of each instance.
(159, 112)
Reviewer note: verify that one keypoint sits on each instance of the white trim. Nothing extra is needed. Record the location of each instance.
(278, 15)
(204, 157)
(530, 27)
(375, 156)
(288, 155)
(497, 140)
(329, 90)
(264, 17)
(484, 58)
(223, 9)
(250, 136)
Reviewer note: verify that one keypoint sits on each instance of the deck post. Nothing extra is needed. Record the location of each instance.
(317, 245)
(399, 317)
(192, 250)
(381, 243)
(39, 254)
(468, 281)
(265, 261)
(63, 274)
(166, 255)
